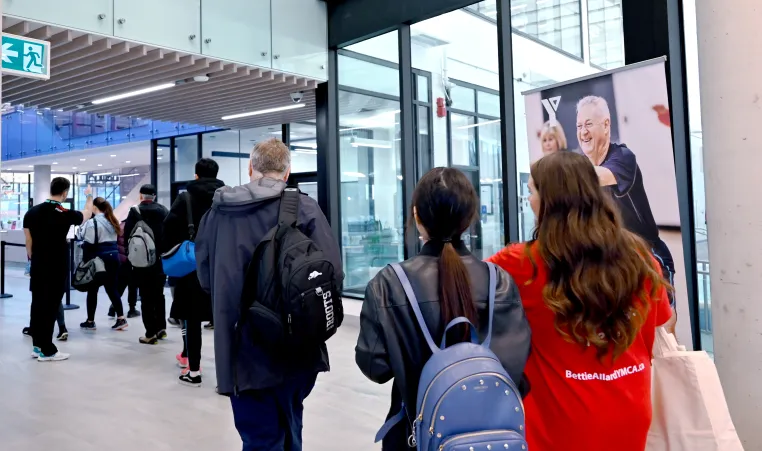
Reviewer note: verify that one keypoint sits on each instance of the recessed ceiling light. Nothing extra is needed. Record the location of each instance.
(133, 93)
(112, 156)
(99, 165)
(30, 166)
(128, 161)
(55, 162)
(74, 167)
(83, 159)
(267, 111)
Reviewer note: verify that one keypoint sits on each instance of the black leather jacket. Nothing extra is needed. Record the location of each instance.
(391, 344)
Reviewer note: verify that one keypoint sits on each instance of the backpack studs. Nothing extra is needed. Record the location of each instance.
(481, 382)
(470, 448)
(517, 409)
(521, 427)
(497, 384)
(463, 386)
(489, 447)
(439, 435)
(523, 446)
(505, 446)
(442, 418)
(507, 392)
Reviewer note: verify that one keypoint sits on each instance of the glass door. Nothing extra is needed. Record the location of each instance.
(307, 182)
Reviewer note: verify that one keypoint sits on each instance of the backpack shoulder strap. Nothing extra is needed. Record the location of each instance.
(95, 225)
(289, 206)
(189, 216)
(414, 305)
(491, 302)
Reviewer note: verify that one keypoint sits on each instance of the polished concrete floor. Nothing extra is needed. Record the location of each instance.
(118, 395)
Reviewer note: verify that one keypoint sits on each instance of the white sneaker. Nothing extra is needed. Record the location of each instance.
(58, 356)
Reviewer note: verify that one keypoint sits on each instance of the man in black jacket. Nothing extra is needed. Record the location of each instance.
(266, 391)
(150, 281)
(190, 302)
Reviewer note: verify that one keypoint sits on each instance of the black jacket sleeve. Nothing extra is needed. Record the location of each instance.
(129, 224)
(176, 224)
(371, 354)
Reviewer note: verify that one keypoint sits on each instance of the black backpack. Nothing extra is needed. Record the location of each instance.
(291, 298)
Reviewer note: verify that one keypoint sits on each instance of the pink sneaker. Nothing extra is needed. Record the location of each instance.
(182, 362)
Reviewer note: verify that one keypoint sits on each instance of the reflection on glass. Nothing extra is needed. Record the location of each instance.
(554, 22)
(303, 148)
(489, 104)
(186, 155)
(491, 187)
(422, 88)
(606, 34)
(371, 187)
(463, 140)
(162, 172)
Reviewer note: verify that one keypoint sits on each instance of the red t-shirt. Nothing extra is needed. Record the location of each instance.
(577, 402)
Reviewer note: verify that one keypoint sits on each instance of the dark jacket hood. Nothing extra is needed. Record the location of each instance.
(204, 188)
(251, 193)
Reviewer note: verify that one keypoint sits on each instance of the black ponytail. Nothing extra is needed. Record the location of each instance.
(445, 205)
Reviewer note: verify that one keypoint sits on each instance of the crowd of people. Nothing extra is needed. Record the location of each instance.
(570, 316)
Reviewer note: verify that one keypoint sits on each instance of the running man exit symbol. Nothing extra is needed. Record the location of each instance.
(25, 57)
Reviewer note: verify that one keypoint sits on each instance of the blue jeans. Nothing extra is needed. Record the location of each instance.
(271, 419)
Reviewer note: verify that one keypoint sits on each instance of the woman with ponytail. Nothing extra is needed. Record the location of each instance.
(449, 282)
(100, 235)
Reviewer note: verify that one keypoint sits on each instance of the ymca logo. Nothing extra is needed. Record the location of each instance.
(551, 107)
(314, 275)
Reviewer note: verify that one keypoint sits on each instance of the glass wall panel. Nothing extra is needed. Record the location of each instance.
(463, 140)
(491, 187)
(186, 155)
(224, 148)
(606, 35)
(372, 222)
(697, 167)
(368, 76)
(304, 148)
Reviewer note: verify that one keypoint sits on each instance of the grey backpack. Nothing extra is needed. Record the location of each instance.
(89, 274)
(141, 246)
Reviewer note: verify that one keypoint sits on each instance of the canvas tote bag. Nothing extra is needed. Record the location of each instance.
(689, 408)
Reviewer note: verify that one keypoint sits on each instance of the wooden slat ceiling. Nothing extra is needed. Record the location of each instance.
(85, 67)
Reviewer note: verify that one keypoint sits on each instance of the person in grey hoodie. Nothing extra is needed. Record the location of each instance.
(266, 391)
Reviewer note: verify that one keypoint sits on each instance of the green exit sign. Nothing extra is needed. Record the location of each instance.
(26, 57)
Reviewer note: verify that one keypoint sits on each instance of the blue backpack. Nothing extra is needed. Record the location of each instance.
(466, 400)
(181, 259)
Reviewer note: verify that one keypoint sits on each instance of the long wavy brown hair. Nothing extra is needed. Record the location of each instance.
(105, 207)
(597, 271)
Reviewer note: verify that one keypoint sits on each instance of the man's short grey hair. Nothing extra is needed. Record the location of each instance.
(270, 157)
(148, 197)
(598, 102)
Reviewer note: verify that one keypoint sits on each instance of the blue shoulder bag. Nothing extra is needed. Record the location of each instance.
(181, 259)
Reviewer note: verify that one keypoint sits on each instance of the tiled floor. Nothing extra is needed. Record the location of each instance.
(118, 395)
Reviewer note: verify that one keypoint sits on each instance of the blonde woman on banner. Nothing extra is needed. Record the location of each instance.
(552, 137)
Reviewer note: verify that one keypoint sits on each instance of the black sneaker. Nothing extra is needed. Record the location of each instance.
(209, 326)
(187, 379)
(133, 313)
(88, 325)
(111, 312)
(162, 335)
(27, 331)
(148, 340)
(63, 335)
(173, 322)
(120, 324)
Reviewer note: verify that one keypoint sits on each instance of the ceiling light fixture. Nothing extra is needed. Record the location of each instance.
(267, 111)
(102, 173)
(99, 165)
(55, 162)
(129, 175)
(112, 156)
(128, 161)
(133, 93)
(74, 167)
(82, 159)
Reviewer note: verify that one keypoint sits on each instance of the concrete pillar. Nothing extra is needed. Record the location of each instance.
(41, 183)
(731, 111)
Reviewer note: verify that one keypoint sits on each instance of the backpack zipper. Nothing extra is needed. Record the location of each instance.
(439, 403)
(473, 434)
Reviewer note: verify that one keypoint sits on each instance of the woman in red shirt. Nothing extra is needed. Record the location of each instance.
(593, 297)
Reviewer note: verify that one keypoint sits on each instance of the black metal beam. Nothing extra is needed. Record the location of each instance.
(285, 134)
(154, 166)
(407, 127)
(507, 122)
(352, 21)
(172, 150)
(327, 128)
(678, 98)
(644, 25)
